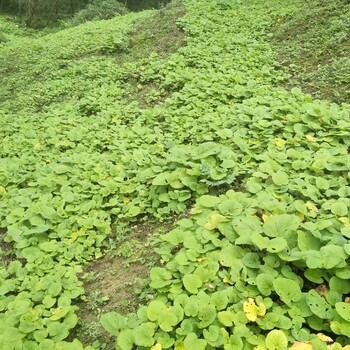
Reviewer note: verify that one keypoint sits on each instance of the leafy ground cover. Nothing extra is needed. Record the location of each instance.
(262, 261)
(314, 42)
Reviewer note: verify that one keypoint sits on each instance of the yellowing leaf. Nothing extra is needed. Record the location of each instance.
(301, 346)
(37, 146)
(126, 200)
(156, 347)
(264, 217)
(73, 237)
(195, 211)
(227, 280)
(311, 206)
(325, 338)
(280, 143)
(252, 310)
(345, 220)
(209, 226)
(310, 138)
(116, 120)
(180, 346)
(214, 220)
(2, 189)
(260, 347)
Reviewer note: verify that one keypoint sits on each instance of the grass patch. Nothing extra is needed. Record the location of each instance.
(314, 43)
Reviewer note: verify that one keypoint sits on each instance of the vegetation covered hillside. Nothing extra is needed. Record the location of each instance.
(136, 120)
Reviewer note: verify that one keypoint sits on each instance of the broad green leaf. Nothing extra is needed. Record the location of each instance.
(143, 334)
(339, 208)
(168, 319)
(264, 283)
(226, 318)
(318, 305)
(281, 225)
(322, 183)
(280, 178)
(207, 201)
(192, 342)
(343, 310)
(112, 322)
(229, 255)
(192, 283)
(125, 339)
(206, 315)
(277, 245)
(276, 340)
(287, 289)
(154, 309)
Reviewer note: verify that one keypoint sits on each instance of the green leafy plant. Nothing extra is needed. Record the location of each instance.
(261, 260)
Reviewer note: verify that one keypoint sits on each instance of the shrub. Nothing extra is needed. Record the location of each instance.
(3, 38)
(99, 9)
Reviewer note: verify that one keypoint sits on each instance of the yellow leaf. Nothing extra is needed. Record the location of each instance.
(126, 200)
(214, 220)
(301, 216)
(311, 206)
(260, 347)
(37, 146)
(280, 143)
(252, 310)
(209, 226)
(116, 120)
(310, 138)
(343, 219)
(325, 338)
(195, 211)
(2, 189)
(73, 237)
(180, 346)
(301, 346)
(227, 280)
(264, 217)
(156, 347)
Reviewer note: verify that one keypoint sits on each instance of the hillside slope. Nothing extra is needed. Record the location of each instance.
(314, 42)
(93, 136)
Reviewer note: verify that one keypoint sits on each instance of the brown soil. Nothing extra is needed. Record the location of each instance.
(111, 282)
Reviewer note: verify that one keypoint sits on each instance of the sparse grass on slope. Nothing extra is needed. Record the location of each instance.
(314, 42)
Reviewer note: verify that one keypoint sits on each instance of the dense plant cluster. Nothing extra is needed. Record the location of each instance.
(262, 261)
(97, 10)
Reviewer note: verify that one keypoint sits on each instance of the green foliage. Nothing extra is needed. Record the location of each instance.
(3, 38)
(314, 42)
(97, 10)
(262, 261)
